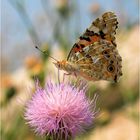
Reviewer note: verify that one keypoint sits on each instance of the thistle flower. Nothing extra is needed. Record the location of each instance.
(60, 111)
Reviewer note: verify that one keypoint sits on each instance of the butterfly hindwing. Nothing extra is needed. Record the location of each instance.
(101, 63)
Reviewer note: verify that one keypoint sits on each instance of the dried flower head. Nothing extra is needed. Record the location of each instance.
(60, 110)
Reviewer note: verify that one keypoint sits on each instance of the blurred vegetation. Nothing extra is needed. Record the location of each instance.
(65, 20)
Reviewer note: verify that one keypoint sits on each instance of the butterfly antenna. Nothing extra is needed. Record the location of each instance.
(45, 53)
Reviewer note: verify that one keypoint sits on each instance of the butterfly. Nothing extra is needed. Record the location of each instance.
(95, 56)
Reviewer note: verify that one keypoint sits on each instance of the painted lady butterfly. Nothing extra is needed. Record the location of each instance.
(95, 56)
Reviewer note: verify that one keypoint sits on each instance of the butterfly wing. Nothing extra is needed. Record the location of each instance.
(101, 62)
(101, 28)
(95, 52)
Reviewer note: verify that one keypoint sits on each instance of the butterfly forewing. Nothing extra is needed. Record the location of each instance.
(101, 28)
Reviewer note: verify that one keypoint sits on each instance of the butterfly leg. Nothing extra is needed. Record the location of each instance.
(65, 75)
(75, 75)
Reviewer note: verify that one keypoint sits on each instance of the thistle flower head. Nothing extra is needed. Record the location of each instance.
(60, 110)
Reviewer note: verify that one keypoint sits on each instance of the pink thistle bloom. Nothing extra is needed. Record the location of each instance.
(60, 110)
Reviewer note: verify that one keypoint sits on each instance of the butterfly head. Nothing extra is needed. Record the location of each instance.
(57, 64)
(60, 64)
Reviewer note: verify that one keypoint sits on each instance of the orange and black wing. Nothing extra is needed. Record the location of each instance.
(102, 28)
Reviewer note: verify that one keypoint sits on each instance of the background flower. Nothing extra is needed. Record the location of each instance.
(60, 111)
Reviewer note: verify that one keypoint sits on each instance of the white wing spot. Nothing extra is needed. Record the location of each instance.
(95, 59)
(86, 49)
(94, 28)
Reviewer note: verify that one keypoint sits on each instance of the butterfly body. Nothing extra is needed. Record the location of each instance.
(95, 56)
(70, 68)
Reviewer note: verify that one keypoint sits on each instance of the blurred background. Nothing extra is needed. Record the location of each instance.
(54, 25)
